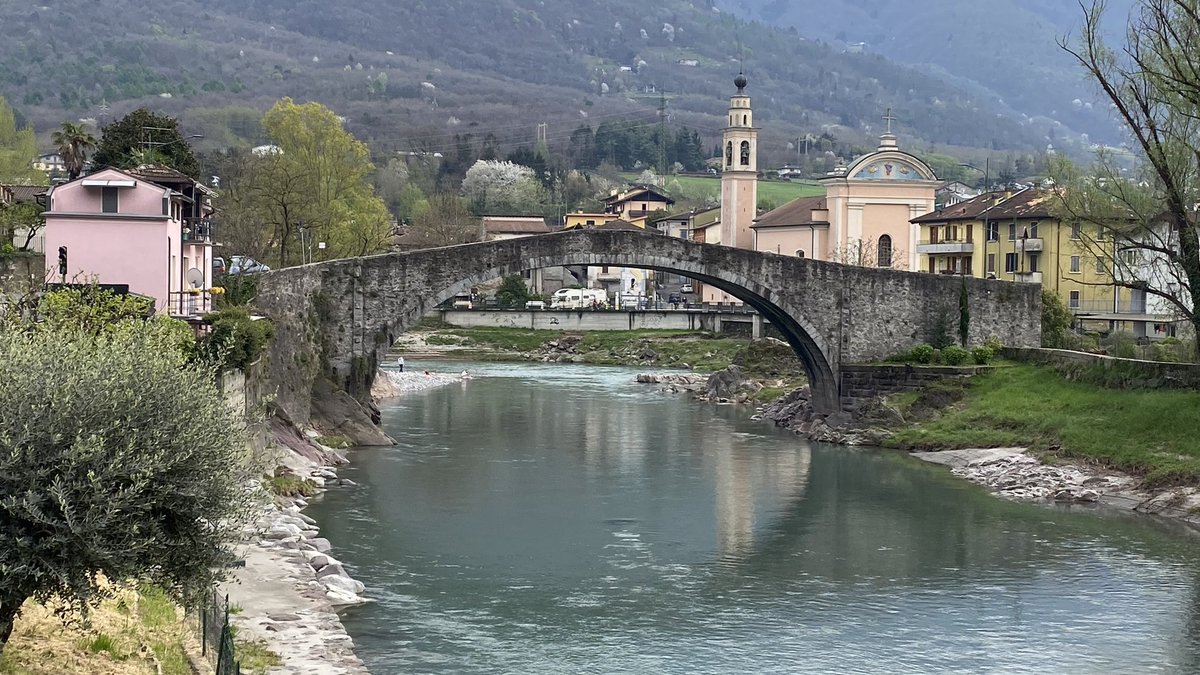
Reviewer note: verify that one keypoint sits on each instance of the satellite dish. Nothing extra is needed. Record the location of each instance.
(195, 277)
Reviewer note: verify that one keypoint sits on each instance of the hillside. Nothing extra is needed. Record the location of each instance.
(407, 75)
(1003, 48)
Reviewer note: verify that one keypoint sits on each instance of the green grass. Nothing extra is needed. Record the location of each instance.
(335, 442)
(103, 642)
(773, 193)
(254, 657)
(290, 486)
(512, 339)
(1152, 433)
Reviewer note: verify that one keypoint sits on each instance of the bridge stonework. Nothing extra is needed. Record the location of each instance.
(336, 320)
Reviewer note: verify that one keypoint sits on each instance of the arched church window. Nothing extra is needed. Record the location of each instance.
(885, 251)
(745, 153)
(729, 153)
(745, 119)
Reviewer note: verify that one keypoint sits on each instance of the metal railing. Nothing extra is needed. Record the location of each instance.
(187, 303)
(1109, 307)
(198, 230)
(216, 635)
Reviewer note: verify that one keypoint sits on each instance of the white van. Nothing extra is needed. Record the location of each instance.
(463, 301)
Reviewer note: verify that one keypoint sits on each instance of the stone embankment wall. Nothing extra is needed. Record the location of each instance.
(1111, 371)
(861, 384)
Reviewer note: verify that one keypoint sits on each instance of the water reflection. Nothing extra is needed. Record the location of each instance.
(562, 519)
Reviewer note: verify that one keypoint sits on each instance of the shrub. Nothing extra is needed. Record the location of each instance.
(236, 340)
(90, 309)
(240, 290)
(983, 355)
(1056, 320)
(939, 330)
(955, 355)
(923, 353)
(993, 343)
(138, 472)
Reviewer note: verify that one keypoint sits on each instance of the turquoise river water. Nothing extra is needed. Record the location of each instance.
(564, 519)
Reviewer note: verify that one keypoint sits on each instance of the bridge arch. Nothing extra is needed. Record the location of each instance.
(799, 333)
(336, 320)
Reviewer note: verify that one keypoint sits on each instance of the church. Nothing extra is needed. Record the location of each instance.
(862, 219)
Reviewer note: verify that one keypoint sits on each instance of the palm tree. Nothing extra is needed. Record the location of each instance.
(74, 144)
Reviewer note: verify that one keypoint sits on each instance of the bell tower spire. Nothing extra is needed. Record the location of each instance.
(739, 174)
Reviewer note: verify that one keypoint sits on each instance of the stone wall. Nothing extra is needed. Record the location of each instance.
(861, 383)
(1110, 371)
(336, 320)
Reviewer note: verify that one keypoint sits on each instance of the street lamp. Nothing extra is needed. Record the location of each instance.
(985, 172)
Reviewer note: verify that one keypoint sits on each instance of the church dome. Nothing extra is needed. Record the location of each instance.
(740, 82)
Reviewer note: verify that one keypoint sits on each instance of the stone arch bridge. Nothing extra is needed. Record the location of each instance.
(335, 320)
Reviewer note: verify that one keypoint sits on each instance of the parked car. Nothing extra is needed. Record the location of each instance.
(686, 288)
(219, 267)
(243, 264)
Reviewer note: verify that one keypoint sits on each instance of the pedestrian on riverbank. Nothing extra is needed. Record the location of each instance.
(400, 362)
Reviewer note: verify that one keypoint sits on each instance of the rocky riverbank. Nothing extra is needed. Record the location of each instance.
(1010, 473)
(288, 593)
(392, 383)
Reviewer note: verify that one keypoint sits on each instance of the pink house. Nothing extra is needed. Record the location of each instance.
(148, 229)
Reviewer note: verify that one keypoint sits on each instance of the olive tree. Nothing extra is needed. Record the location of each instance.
(119, 461)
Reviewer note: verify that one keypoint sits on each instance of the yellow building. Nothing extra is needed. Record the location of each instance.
(1014, 236)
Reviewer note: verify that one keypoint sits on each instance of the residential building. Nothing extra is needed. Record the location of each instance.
(149, 230)
(495, 228)
(636, 202)
(1015, 236)
(953, 192)
(51, 164)
(625, 285)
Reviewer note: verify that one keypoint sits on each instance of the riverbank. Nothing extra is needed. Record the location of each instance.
(1026, 432)
(287, 595)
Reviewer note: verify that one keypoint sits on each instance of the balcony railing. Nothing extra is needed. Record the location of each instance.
(930, 246)
(198, 230)
(1031, 244)
(1108, 307)
(189, 304)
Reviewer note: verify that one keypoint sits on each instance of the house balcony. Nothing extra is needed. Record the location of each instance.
(1108, 307)
(944, 246)
(612, 274)
(197, 231)
(1027, 277)
(189, 305)
(1031, 245)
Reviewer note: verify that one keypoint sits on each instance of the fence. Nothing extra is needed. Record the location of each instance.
(216, 635)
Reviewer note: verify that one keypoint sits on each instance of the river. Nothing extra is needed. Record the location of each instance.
(564, 519)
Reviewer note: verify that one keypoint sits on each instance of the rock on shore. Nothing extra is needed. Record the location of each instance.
(291, 584)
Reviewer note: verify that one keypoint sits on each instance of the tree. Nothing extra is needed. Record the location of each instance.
(865, 253)
(964, 313)
(444, 221)
(74, 143)
(513, 292)
(18, 149)
(499, 187)
(1141, 223)
(118, 460)
(320, 177)
(144, 135)
(1056, 320)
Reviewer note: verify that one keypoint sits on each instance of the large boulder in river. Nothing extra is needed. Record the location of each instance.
(337, 413)
(728, 383)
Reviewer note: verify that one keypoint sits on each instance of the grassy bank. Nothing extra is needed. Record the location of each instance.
(126, 635)
(1153, 433)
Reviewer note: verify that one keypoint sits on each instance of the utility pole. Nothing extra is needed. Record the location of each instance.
(662, 134)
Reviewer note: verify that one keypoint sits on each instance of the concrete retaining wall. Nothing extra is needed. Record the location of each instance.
(575, 320)
(1110, 371)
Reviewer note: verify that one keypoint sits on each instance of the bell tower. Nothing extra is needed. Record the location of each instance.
(739, 174)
